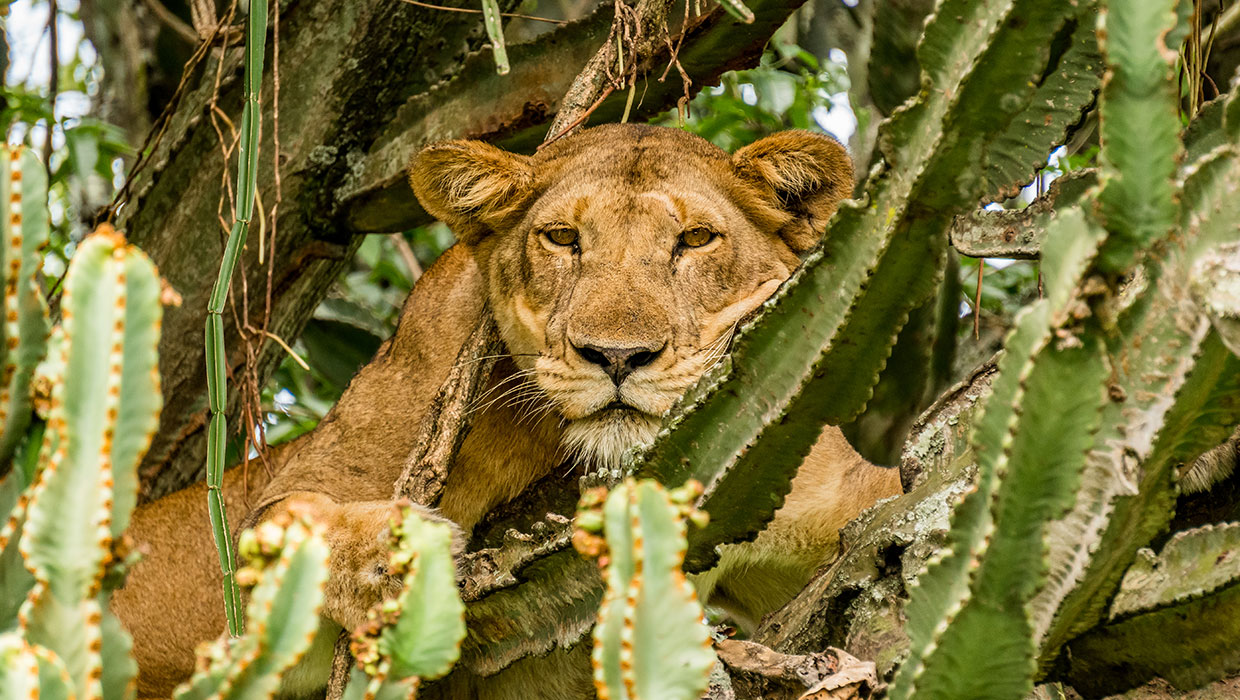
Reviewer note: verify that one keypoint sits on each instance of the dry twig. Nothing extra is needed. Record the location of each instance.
(514, 15)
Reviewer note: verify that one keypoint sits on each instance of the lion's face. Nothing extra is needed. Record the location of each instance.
(620, 260)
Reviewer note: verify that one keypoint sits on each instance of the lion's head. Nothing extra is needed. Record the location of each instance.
(620, 260)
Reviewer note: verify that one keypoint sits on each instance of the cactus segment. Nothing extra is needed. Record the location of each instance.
(1175, 616)
(140, 401)
(288, 560)
(120, 671)
(1127, 492)
(23, 234)
(1216, 287)
(1060, 99)
(651, 640)
(70, 629)
(418, 634)
(1139, 125)
(1051, 431)
(111, 302)
(605, 656)
(425, 639)
(15, 580)
(1192, 564)
(1231, 116)
(101, 419)
(966, 586)
(31, 672)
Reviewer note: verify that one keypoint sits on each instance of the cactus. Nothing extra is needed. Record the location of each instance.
(650, 640)
(417, 635)
(286, 564)
(31, 672)
(1174, 616)
(816, 353)
(1047, 385)
(24, 230)
(1099, 394)
(104, 413)
(74, 482)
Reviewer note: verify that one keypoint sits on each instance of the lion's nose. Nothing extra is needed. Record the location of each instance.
(618, 362)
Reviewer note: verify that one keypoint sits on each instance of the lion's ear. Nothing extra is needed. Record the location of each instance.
(807, 173)
(471, 186)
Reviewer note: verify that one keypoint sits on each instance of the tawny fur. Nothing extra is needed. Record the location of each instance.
(628, 192)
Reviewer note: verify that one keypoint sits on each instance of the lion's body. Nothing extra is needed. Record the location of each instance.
(627, 191)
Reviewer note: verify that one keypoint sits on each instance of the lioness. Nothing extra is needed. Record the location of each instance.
(618, 263)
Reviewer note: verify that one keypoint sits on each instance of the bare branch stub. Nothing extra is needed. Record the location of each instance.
(637, 34)
(447, 419)
(758, 671)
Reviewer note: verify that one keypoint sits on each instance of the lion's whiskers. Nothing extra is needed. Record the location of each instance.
(519, 385)
(500, 356)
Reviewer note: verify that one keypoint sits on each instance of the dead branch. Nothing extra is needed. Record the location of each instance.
(637, 33)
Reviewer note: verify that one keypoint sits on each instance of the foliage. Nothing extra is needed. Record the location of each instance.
(790, 89)
(86, 152)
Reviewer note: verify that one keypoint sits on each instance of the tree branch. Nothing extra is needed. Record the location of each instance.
(1016, 233)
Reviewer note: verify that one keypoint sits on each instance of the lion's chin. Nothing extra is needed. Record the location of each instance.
(602, 439)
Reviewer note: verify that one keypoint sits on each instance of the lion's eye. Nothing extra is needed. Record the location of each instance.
(561, 235)
(696, 237)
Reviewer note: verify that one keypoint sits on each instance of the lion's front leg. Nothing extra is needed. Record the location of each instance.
(358, 535)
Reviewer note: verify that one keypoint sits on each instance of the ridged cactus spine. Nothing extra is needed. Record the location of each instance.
(417, 635)
(104, 411)
(650, 640)
(23, 235)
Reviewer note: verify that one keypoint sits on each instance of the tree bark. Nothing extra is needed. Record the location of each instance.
(344, 68)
